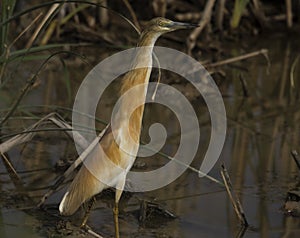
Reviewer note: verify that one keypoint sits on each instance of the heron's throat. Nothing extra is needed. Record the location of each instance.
(148, 38)
(143, 57)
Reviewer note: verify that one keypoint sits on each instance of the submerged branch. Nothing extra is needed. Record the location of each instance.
(233, 198)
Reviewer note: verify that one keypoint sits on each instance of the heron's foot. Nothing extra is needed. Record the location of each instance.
(85, 227)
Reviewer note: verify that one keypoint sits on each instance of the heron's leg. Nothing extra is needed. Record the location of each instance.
(116, 214)
(87, 212)
(116, 207)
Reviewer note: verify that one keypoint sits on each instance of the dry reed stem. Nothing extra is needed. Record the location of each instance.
(103, 14)
(48, 34)
(189, 16)
(93, 233)
(241, 232)
(244, 86)
(158, 77)
(289, 13)
(191, 168)
(53, 8)
(12, 172)
(25, 30)
(296, 158)
(24, 137)
(220, 14)
(293, 67)
(258, 11)
(263, 52)
(205, 19)
(234, 199)
(132, 13)
(159, 7)
(7, 51)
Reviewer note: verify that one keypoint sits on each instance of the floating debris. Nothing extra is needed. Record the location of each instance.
(150, 211)
(292, 203)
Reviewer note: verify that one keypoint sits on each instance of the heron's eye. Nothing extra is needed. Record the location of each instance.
(161, 23)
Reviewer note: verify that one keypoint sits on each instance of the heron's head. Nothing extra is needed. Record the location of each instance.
(162, 25)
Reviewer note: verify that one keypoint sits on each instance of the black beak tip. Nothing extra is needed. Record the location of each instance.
(181, 25)
(192, 25)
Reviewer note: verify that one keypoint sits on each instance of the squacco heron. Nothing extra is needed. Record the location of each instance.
(85, 184)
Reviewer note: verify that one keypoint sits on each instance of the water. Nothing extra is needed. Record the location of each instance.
(263, 127)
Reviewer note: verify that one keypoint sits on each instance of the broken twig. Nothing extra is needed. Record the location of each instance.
(91, 232)
(234, 199)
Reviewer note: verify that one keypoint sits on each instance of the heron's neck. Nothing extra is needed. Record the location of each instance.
(148, 39)
(142, 63)
(139, 75)
(143, 57)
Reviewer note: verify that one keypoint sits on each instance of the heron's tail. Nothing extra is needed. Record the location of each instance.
(83, 187)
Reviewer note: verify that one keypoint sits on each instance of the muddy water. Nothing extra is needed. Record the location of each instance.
(263, 113)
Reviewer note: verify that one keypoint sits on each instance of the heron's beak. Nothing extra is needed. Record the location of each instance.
(182, 25)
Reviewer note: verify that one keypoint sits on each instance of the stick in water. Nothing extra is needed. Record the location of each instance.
(234, 199)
